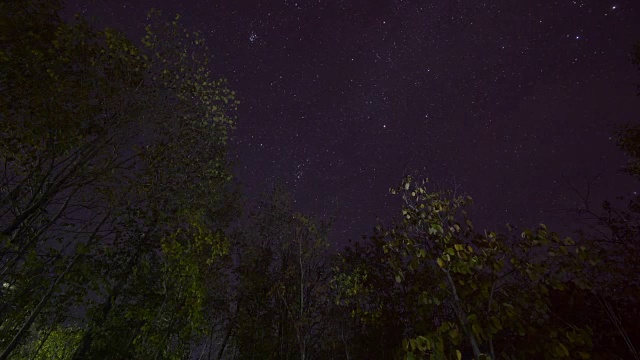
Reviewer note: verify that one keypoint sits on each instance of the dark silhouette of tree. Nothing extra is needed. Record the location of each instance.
(114, 184)
(283, 278)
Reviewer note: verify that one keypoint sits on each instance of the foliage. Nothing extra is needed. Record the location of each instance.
(115, 183)
(628, 135)
(57, 343)
(613, 232)
(474, 294)
(283, 272)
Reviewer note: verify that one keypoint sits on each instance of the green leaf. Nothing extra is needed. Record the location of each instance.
(476, 329)
(422, 343)
(562, 350)
(496, 322)
(458, 355)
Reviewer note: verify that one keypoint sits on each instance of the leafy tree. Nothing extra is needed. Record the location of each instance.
(283, 276)
(55, 343)
(613, 232)
(378, 306)
(628, 135)
(474, 294)
(115, 183)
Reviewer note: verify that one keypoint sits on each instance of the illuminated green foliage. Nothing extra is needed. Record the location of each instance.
(115, 183)
(473, 295)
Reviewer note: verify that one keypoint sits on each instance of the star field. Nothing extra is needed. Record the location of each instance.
(506, 101)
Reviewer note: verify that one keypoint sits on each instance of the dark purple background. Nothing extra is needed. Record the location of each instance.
(506, 100)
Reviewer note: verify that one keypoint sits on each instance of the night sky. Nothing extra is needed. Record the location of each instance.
(508, 101)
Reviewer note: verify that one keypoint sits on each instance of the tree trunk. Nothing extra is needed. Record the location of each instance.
(462, 316)
(228, 334)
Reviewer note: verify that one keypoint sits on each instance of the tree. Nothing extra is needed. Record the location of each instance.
(377, 305)
(115, 183)
(613, 232)
(469, 294)
(628, 135)
(283, 275)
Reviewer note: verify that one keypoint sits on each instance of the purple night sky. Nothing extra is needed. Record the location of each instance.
(508, 101)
